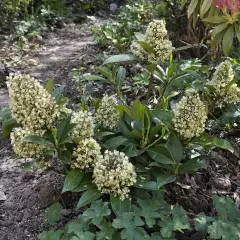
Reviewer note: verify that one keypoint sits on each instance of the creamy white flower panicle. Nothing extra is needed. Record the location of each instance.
(190, 116)
(221, 78)
(84, 124)
(24, 149)
(87, 153)
(114, 174)
(107, 115)
(156, 36)
(31, 105)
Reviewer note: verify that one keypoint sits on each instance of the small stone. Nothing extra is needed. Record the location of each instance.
(19, 217)
(3, 197)
(66, 212)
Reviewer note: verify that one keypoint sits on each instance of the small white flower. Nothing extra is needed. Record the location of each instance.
(190, 116)
(107, 115)
(113, 173)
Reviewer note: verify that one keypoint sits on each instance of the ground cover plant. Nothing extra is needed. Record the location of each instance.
(154, 119)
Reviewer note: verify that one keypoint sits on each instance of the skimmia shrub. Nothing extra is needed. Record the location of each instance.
(119, 147)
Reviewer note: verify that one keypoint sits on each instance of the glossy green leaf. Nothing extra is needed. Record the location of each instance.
(121, 74)
(120, 58)
(49, 86)
(37, 140)
(191, 165)
(191, 8)
(215, 19)
(91, 77)
(149, 185)
(88, 197)
(164, 179)
(147, 47)
(85, 184)
(219, 29)
(228, 40)
(161, 154)
(114, 143)
(64, 128)
(237, 30)
(72, 180)
(175, 147)
(57, 93)
(7, 127)
(205, 7)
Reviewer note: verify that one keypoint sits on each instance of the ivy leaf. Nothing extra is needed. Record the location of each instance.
(223, 230)
(84, 236)
(107, 231)
(53, 214)
(180, 219)
(134, 234)
(226, 207)
(50, 235)
(148, 210)
(96, 212)
(77, 225)
(127, 220)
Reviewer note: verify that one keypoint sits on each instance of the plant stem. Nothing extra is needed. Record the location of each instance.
(150, 86)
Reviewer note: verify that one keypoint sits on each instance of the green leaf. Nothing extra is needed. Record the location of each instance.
(103, 134)
(163, 117)
(77, 225)
(121, 77)
(215, 19)
(127, 220)
(91, 77)
(114, 143)
(146, 46)
(165, 179)
(57, 93)
(223, 230)
(152, 67)
(53, 214)
(149, 185)
(64, 128)
(175, 147)
(96, 212)
(158, 236)
(120, 58)
(65, 156)
(49, 86)
(8, 126)
(202, 223)
(50, 235)
(120, 206)
(88, 197)
(205, 7)
(148, 210)
(237, 30)
(228, 40)
(37, 140)
(191, 165)
(107, 231)
(161, 154)
(192, 6)
(219, 29)
(5, 113)
(134, 234)
(226, 208)
(72, 180)
(84, 236)
(85, 184)
(180, 220)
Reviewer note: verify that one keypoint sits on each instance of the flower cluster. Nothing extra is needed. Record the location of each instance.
(31, 105)
(87, 153)
(24, 149)
(222, 77)
(84, 124)
(190, 116)
(107, 115)
(114, 174)
(156, 36)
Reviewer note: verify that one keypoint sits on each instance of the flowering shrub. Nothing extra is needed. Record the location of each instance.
(119, 145)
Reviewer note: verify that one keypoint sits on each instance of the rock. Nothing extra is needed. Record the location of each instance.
(3, 197)
(113, 7)
(66, 212)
